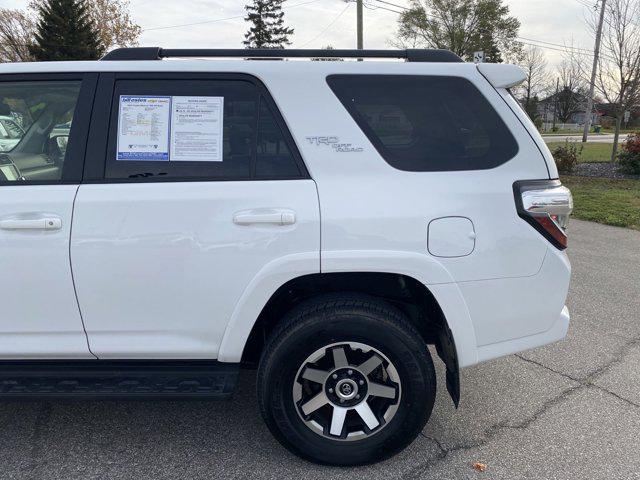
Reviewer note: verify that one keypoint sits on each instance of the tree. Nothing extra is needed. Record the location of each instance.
(110, 17)
(65, 31)
(112, 20)
(534, 64)
(462, 26)
(16, 34)
(618, 73)
(327, 59)
(572, 93)
(268, 30)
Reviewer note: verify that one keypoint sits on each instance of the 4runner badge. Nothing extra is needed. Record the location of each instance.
(334, 142)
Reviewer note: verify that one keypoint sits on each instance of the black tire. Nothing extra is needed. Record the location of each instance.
(328, 320)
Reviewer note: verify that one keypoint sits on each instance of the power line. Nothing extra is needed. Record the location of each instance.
(586, 3)
(327, 27)
(554, 44)
(377, 7)
(563, 49)
(392, 4)
(192, 24)
(216, 20)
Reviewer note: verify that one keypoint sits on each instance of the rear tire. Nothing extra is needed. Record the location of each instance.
(346, 380)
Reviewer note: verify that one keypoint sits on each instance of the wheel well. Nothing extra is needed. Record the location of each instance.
(406, 293)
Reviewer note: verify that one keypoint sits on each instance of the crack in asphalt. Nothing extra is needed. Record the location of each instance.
(588, 381)
(488, 435)
(539, 364)
(493, 430)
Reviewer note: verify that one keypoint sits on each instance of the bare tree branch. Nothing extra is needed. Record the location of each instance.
(618, 75)
(16, 34)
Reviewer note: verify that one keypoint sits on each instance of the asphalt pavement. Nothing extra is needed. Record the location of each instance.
(565, 411)
(604, 138)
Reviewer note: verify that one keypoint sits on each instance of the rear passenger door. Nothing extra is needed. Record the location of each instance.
(192, 187)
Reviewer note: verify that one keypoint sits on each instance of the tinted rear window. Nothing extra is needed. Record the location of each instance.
(426, 123)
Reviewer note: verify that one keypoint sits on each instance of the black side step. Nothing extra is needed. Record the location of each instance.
(117, 379)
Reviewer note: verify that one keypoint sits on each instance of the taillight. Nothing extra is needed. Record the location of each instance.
(546, 205)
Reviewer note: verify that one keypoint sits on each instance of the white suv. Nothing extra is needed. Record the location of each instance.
(323, 220)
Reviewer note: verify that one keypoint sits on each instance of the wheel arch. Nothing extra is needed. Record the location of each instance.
(411, 296)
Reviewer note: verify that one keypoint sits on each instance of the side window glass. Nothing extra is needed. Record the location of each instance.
(182, 129)
(426, 123)
(274, 159)
(35, 123)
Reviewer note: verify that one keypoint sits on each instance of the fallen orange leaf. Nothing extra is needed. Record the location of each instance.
(480, 467)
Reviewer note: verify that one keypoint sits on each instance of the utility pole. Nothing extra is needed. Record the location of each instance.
(359, 15)
(555, 104)
(596, 54)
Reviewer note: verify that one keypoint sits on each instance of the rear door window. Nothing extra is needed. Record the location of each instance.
(274, 157)
(426, 123)
(195, 130)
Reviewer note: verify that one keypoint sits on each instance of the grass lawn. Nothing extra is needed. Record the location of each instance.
(606, 200)
(591, 153)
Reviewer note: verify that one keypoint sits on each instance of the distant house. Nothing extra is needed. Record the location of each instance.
(607, 117)
(566, 107)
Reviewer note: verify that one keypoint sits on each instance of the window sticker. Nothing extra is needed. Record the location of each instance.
(143, 128)
(170, 128)
(196, 129)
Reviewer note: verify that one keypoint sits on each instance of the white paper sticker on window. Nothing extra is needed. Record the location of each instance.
(143, 128)
(196, 129)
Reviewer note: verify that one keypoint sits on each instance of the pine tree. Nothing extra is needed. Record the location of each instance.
(268, 30)
(65, 32)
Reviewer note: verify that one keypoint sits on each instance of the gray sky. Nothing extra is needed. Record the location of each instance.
(318, 23)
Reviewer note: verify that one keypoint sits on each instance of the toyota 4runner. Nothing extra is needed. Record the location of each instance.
(163, 222)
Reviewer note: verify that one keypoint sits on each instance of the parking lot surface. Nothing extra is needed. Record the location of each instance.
(565, 411)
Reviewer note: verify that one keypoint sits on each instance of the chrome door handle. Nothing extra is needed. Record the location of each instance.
(271, 216)
(46, 223)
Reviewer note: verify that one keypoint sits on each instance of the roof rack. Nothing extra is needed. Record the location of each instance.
(157, 53)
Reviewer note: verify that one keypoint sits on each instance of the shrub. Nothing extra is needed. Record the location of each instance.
(567, 156)
(629, 156)
(538, 123)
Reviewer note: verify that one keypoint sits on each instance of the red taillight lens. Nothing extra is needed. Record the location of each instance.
(546, 205)
(552, 229)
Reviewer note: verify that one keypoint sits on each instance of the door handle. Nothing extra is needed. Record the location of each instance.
(46, 223)
(274, 217)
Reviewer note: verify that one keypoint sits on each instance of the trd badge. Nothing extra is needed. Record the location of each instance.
(335, 143)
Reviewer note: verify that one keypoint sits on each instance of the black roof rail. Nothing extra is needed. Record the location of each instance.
(157, 53)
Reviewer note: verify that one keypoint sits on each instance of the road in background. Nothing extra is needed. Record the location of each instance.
(606, 138)
(565, 411)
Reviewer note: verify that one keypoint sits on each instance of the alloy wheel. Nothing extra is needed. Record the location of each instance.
(347, 391)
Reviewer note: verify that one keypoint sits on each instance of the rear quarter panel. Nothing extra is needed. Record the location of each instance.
(368, 207)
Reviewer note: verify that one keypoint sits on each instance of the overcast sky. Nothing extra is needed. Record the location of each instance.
(317, 23)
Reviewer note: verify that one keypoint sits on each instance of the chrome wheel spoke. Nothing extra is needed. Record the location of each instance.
(337, 420)
(370, 365)
(339, 357)
(320, 400)
(315, 375)
(379, 390)
(367, 415)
